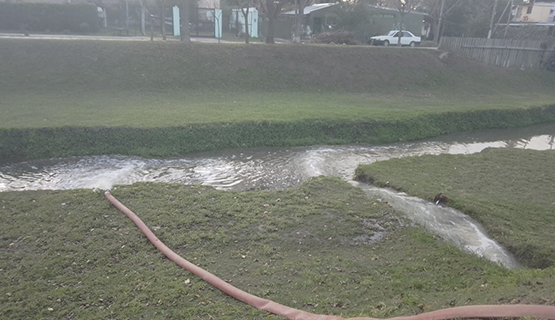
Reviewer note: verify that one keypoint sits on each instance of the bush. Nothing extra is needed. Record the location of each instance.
(44, 17)
(84, 27)
(550, 63)
(339, 37)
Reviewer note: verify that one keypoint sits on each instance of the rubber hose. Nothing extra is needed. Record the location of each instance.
(480, 311)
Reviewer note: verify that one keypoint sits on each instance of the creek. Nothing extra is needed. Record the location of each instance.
(279, 168)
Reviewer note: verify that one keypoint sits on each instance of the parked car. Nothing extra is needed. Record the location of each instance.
(392, 38)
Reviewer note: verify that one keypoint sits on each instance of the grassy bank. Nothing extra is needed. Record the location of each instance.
(63, 98)
(70, 255)
(509, 191)
(17, 144)
(324, 246)
(157, 66)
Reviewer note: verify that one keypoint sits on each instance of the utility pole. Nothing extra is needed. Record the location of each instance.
(438, 35)
(126, 13)
(508, 19)
(143, 18)
(493, 13)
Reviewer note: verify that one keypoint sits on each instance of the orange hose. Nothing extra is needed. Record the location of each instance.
(493, 311)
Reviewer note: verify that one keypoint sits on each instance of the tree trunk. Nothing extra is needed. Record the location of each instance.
(163, 19)
(270, 37)
(184, 19)
(400, 33)
(151, 28)
(271, 14)
(246, 16)
(299, 22)
(143, 18)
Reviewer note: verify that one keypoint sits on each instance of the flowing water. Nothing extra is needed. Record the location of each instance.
(279, 168)
(451, 225)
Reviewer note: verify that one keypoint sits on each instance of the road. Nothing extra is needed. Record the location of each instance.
(107, 38)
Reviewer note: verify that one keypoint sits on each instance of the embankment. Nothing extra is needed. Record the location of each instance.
(65, 68)
(18, 144)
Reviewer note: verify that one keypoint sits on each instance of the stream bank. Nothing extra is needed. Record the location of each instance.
(26, 144)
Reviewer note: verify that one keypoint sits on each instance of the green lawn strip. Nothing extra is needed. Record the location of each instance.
(70, 254)
(133, 108)
(63, 98)
(509, 191)
(18, 144)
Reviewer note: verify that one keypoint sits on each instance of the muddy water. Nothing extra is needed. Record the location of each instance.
(278, 168)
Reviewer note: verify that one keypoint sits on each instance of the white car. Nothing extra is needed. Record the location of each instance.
(392, 38)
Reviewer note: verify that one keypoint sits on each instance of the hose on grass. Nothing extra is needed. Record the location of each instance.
(480, 311)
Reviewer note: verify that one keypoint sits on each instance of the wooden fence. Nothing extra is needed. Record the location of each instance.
(524, 54)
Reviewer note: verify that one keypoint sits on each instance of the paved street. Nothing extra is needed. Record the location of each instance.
(107, 38)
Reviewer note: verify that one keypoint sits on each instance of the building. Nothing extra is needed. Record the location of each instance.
(534, 12)
(538, 15)
(324, 17)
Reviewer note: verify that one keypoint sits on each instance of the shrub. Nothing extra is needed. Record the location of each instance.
(550, 63)
(48, 17)
(339, 37)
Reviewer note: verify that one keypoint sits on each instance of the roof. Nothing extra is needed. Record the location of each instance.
(312, 8)
(320, 6)
(397, 10)
(537, 24)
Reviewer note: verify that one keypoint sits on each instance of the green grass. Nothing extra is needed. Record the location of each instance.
(71, 255)
(18, 144)
(158, 99)
(509, 191)
(154, 110)
(162, 67)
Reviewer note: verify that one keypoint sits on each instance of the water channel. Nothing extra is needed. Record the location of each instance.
(279, 168)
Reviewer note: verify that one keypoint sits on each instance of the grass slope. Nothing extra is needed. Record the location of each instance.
(158, 66)
(323, 247)
(509, 191)
(63, 98)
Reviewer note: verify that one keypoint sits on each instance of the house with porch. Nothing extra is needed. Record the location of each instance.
(325, 17)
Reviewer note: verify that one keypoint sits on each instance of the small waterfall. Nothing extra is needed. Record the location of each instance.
(449, 224)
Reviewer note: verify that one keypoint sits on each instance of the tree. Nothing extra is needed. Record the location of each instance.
(352, 15)
(469, 18)
(299, 17)
(404, 7)
(184, 14)
(142, 3)
(162, 5)
(437, 11)
(244, 5)
(271, 9)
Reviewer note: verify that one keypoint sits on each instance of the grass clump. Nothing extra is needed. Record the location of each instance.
(323, 247)
(509, 191)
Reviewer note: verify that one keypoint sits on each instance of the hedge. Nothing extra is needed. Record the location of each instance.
(49, 17)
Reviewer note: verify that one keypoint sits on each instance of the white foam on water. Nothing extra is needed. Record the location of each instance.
(449, 224)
